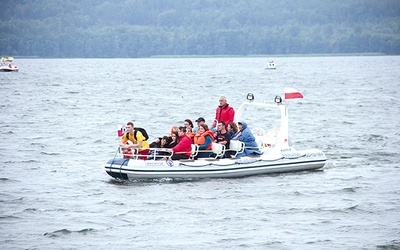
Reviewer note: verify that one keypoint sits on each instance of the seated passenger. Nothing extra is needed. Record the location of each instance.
(199, 121)
(204, 138)
(184, 147)
(157, 142)
(169, 143)
(159, 148)
(174, 140)
(189, 132)
(245, 135)
(173, 129)
(233, 130)
(188, 124)
(223, 137)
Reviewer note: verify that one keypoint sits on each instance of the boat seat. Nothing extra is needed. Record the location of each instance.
(195, 151)
(236, 147)
(218, 150)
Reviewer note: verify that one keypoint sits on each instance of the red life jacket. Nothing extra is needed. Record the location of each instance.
(225, 114)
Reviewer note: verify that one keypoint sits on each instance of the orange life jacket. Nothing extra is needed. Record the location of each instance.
(200, 139)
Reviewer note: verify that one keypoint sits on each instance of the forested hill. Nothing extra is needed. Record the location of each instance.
(143, 28)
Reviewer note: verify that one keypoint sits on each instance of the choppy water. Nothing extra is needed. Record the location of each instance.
(58, 126)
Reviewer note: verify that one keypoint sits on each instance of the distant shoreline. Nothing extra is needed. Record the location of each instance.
(212, 56)
(269, 55)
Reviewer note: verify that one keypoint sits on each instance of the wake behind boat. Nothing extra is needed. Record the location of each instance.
(277, 155)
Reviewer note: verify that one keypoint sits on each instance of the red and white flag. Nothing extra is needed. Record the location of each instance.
(291, 93)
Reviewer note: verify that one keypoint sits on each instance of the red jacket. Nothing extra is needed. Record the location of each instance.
(184, 146)
(225, 114)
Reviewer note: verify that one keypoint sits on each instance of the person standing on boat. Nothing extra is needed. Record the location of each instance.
(204, 138)
(223, 137)
(245, 135)
(184, 147)
(223, 113)
(134, 140)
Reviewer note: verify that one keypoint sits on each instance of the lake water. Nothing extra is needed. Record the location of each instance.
(58, 127)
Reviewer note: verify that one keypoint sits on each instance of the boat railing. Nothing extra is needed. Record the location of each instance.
(127, 153)
(154, 154)
(159, 153)
(217, 151)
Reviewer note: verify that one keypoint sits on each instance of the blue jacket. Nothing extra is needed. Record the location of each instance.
(249, 141)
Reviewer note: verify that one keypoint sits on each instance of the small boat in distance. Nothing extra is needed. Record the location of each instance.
(277, 153)
(271, 65)
(6, 65)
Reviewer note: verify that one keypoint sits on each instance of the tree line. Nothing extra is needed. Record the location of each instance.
(145, 28)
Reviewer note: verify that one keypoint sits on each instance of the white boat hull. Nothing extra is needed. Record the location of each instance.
(129, 169)
(277, 155)
(8, 69)
(271, 65)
